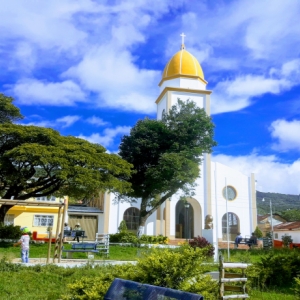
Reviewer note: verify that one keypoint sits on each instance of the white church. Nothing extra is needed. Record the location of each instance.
(206, 212)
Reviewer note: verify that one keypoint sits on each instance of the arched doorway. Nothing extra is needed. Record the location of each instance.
(184, 221)
(131, 217)
(233, 226)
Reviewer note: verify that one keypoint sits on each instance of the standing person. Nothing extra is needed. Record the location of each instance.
(24, 242)
(76, 228)
(238, 239)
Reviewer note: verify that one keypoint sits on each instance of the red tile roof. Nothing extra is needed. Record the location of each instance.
(288, 226)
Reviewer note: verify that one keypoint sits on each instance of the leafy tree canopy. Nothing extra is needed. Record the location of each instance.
(166, 154)
(36, 161)
(291, 215)
(8, 112)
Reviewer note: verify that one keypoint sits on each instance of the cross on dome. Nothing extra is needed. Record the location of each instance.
(182, 40)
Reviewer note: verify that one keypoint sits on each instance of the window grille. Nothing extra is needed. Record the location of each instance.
(131, 217)
(43, 220)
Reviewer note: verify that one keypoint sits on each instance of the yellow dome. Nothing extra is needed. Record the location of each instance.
(183, 63)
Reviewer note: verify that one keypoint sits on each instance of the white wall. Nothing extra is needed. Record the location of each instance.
(239, 206)
(295, 234)
(117, 212)
(185, 83)
(184, 96)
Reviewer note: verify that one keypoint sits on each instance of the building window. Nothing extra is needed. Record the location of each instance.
(131, 217)
(163, 113)
(9, 219)
(45, 198)
(233, 226)
(231, 192)
(276, 235)
(43, 220)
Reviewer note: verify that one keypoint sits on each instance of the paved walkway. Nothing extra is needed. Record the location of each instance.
(71, 263)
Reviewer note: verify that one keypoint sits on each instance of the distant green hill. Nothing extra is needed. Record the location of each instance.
(280, 202)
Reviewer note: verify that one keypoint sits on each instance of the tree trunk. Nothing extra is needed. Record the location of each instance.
(3, 210)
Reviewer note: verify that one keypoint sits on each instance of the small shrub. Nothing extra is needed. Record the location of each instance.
(129, 237)
(269, 235)
(177, 269)
(258, 232)
(286, 240)
(92, 288)
(277, 269)
(123, 237)
(201, 242)
(123, 227)
(160, 239)
(10, 232)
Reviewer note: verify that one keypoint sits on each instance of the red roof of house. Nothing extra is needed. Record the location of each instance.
(288, 226)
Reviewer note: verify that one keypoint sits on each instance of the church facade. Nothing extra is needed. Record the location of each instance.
(224, 200)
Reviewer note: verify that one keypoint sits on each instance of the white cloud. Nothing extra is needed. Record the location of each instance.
(96, 121)
(236, 94)
(287, 133)
(45, 123)
(291, 68)
(271, 26)
(67, 121)
(111, 72)
(45, 24)
(62, 122)
(35, 92)
(264, 30)
(94, 42)
(271, 174)
(108, 136)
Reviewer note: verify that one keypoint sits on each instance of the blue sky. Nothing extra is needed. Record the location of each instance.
(91, 69)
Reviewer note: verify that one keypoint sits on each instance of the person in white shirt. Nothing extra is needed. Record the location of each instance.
(24, 243)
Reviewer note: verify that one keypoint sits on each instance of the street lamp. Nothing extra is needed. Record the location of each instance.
(186, 205)
(271, 215)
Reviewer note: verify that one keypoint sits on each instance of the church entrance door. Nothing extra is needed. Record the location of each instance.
(184, 221)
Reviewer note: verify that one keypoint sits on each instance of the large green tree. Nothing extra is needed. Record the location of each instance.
(8, 112)
(166, 155)
(36, 161)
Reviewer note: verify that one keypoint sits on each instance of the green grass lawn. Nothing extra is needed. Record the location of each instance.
(41, 250)
(272, 295)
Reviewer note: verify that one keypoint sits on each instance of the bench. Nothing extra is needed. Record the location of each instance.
(81, 247)
(245, 241)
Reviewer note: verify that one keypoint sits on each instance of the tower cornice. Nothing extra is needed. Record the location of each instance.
(174, 89)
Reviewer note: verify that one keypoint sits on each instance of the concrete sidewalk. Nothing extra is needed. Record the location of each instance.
(71, 263)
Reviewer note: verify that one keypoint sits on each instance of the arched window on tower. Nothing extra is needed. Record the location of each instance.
(131, 217)
(163, 113)
(233, 226)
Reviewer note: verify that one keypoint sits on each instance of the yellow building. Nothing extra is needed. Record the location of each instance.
(38, 214)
